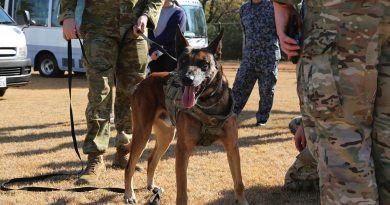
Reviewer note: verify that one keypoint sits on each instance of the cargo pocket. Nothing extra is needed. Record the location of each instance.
(318, 74)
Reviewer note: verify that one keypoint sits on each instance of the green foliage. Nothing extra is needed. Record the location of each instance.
(232, 39)
(225, 14)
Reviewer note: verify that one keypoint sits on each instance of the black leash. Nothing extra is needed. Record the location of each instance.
(6, 185)
(158, 46)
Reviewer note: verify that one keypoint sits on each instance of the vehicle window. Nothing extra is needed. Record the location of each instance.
(196, 23)
(56, 12)
(2, 3)
(4, 18)
(38, 9)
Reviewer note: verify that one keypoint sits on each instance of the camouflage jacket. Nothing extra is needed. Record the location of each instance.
(258, 25)
(109, 16)
(327, 21)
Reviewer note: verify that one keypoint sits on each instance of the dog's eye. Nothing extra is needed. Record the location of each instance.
(203, 65)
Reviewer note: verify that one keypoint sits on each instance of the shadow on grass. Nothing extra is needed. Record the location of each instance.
(269, 196)
(216, 148)
(39, 136)
(65, 201)
(40, 83)
(275, 114)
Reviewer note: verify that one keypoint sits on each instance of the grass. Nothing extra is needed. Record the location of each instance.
(35, 139)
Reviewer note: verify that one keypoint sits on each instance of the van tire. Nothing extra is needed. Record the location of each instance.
(2, 91)
(47, 66)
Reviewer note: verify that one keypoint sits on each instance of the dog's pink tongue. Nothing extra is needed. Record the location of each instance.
(188, 98)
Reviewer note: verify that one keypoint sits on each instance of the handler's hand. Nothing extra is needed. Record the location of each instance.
(288, 45)
(154, 56)
(299, 138)
(141, 25)
(69, 28)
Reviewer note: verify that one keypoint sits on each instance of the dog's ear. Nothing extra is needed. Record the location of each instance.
(213, 46)
(181, 42)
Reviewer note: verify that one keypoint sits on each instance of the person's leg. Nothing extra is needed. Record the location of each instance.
(381, 132)
(267, 81)
(101, 56)
(243, 85)
(130, 71)
(338, 96)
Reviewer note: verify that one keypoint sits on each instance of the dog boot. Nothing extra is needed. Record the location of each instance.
(121, 159)
(95, 168)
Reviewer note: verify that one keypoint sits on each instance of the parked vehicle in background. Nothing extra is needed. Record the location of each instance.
(47, 48)
(15, 67)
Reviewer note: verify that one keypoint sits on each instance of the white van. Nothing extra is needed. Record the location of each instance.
(15, 67)
(47, 48)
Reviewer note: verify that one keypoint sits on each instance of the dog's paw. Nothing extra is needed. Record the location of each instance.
(154, 188)
(130, 200)
(242, 201)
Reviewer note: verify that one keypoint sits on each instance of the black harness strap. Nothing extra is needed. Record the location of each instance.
(6, 185)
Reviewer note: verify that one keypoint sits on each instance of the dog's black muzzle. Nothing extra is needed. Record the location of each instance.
(188, 80)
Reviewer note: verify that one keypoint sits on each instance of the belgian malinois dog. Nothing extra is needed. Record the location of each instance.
(204, 96)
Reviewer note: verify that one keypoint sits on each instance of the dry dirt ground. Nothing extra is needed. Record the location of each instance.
(35, 139)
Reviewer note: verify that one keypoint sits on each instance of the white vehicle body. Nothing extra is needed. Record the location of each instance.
(47, 48)
(15, 67)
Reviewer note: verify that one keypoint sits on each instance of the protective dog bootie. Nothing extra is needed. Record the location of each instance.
(95, 168)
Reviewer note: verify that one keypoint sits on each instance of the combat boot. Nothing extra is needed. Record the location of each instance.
(121, 159)
(95, 168)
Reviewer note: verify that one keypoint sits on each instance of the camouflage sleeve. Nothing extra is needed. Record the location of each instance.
(152, 11)
(294, 124)
(68, 8)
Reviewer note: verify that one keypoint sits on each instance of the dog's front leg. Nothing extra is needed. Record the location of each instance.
(230, 143)
(183, 151)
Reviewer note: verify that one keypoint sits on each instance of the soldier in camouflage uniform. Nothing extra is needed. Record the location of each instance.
(260, 57)
(302, 175)
(343, 86)
(113, 49)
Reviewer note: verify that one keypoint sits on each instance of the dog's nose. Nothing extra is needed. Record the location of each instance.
(188, 80)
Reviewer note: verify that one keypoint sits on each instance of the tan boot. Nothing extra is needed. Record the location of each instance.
(95, 168)
(121, 159)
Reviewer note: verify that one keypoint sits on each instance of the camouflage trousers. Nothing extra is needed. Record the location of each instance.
(345, 101)
(302, 175)
(250, 71)
(107, 67)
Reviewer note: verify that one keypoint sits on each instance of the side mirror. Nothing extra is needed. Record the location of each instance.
(27, 19)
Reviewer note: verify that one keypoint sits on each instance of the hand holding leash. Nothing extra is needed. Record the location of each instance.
(141, 25)
(70, 29)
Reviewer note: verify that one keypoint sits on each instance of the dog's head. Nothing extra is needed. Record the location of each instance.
(196, 67)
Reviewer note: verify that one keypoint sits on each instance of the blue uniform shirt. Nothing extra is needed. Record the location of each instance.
(258, 24)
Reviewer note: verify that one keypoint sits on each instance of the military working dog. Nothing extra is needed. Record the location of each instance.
(196, 100)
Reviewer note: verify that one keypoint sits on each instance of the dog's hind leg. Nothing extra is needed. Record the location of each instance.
(230, 143)
(164, 136)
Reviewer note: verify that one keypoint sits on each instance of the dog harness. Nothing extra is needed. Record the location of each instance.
(212, 125)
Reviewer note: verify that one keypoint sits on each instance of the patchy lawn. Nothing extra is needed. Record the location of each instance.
(35, 139)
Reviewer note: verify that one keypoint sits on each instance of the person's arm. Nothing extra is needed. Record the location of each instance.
(149, 15)
(67, 19)
(168, 35)
(282, 14)
(299, 138)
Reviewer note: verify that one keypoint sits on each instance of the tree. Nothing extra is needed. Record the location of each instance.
(221, 10)
(225, 13)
